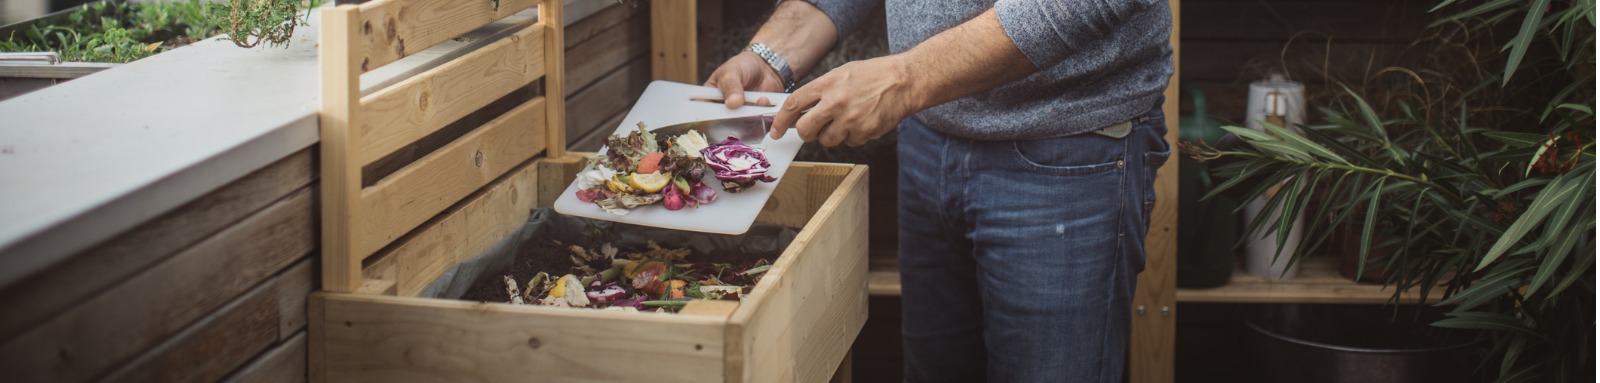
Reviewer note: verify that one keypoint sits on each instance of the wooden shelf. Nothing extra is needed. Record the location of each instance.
(1318, 282)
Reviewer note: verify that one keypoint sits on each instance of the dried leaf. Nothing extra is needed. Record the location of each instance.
(513, 291)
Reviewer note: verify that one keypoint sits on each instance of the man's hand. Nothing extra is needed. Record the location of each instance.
(744, 71)
(852, 104)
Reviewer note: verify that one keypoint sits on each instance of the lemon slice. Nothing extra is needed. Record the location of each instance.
(649, 182)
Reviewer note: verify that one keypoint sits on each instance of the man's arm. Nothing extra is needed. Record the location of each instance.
(863, 100)
(797, 31)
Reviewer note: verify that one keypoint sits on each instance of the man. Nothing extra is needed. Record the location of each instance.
(1030, 132)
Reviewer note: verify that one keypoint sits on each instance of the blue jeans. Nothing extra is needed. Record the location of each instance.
(1018, 258)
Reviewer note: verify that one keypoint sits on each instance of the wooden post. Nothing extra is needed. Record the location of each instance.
(555, 99)
(341, 177)
(1151, 346)
(673, 47)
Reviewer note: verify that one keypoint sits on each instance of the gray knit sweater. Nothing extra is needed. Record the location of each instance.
(1103, 61)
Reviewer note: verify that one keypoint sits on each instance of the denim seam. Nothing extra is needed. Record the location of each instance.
(1075, 170)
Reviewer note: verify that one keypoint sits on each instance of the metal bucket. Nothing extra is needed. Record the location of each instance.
(1360, 343)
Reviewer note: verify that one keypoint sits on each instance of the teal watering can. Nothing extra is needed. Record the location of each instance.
(1207, 230)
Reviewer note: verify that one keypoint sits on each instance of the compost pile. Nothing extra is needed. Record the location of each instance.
(552, 273)
(566, 261)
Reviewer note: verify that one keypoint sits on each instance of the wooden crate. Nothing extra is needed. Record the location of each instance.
(387, 234)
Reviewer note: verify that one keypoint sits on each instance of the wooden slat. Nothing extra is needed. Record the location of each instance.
(104, 331)
(556, 172)
(340, 172)
(550, 15)
(466, 231)
(674, 50)
(42, 296)
(587, 28)
(392, 29)
(607, 97)
(283, 364)
(228, 337)
(399, 339)
(709, 308)
(801, 320)
(1318, 282)
(607, 50)
(596, 138)
(1151, 342)
(418, 106)
(416, 193)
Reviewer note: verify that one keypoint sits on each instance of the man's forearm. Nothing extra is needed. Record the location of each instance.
(970, 58)
(800, 33)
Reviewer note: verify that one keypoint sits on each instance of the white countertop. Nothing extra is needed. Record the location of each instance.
(85, 160)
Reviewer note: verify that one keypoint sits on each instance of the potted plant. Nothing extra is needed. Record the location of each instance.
(1479, 166)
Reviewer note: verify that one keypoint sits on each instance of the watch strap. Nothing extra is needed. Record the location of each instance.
(777, 63)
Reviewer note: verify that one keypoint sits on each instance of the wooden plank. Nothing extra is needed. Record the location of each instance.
(392, 29)
(673, 45)
(709, 308)
(401, 339)
(1152, 340)
(416, 193)
(285, 363)
(556, 173)
(607, 50)
(803, 316)
(401, 114)
(229, 337)
(550, 15)
(66, 70)
(341, 174)
(582, 30)
(43, 295)
(104, 331)
(612, 94)
(596, 138)
(1318, 282)
(465, 231)
(843, 373)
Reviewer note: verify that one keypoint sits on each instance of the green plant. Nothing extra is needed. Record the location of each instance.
(123, 32)
(1480, 168)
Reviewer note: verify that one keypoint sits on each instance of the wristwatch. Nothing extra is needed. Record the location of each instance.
(777, 64)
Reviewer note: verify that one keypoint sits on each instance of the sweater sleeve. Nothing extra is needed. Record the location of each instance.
(846, 14)
(1047, 31)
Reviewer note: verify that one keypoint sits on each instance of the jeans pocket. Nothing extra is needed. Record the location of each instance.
(1076, 155)
(1152, 163)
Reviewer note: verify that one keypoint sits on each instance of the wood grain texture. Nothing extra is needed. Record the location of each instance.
(400, 339)
(227, 338)
(674, 48)
(420, 105)
(1152, 342)
(607, 50)
(596, 138)
(416, 193)
(801, 319)
(550, 17)
(1318, 282)
(285, 363)
(463, 232)
(587, 28)
(392, 29)
(119, 323)
(41, 296)
(340, 172)
(609, 96)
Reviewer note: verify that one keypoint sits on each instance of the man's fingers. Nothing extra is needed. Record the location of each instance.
(732, 88)
(813, 124)
(801, 100)
(763, 101)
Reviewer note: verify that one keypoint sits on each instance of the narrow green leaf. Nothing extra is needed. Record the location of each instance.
(1541, 207)
(1366, 227)
(1282, 149)
(1576, 107)
(1580, 267)
(1478, 10)
(1489, 287)
(1521, 140)
(1486, 321)
(1553, 259)
(1250, 135)
(1519, 186)
(1525, 35)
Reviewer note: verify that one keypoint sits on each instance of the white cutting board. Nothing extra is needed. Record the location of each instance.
(665, 103)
